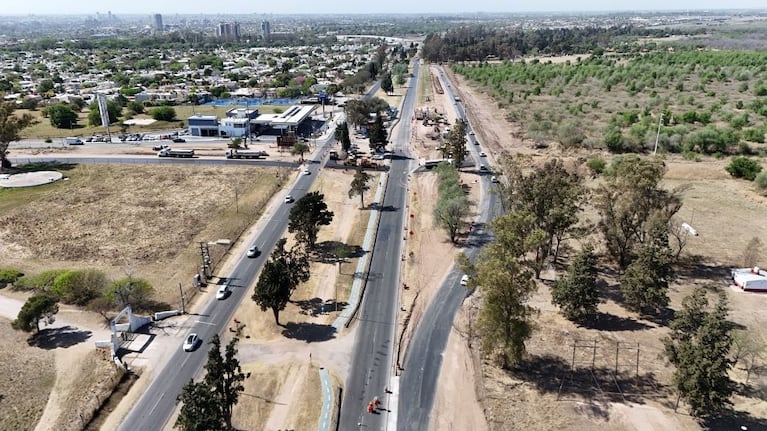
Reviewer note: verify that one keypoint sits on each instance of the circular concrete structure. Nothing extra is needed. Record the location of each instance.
(29, 179)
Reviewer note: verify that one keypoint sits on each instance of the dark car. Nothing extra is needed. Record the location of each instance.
(179, 140)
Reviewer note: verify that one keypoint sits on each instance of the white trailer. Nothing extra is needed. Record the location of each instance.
(750, 279)
(73, 141)
(175, 153)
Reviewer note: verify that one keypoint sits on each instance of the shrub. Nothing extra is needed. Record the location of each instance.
(596, 165)
(761, 181)
(42, 281)
(743, 167)
(163, 113)
(79, 287)
(9, 276)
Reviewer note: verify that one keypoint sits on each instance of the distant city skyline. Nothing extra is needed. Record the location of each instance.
(171, 7)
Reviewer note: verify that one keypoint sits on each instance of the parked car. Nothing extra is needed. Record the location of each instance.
(253, 251)
(191, 342)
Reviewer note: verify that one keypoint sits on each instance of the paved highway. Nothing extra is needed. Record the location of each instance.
(131, 159)
(374, 346)
(423, 359)
(157, 403)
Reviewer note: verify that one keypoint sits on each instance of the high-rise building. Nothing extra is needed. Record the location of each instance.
(228, 30)
(266, 29)
(158, 26)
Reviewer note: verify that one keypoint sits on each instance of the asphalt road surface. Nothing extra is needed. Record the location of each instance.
(374, 346)
(130, 159)
(158, 401)
(423, 361)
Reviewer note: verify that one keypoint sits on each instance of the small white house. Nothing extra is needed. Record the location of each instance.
(750, 279)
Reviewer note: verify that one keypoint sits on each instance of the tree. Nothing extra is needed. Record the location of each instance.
(62, 116)
(357, 112)
(35, 309)
(163, 113)
(752, 253)
(129, 291)
(386, 83)
(452, 207)
(307, 215)
(79, 287)
(505, 321)
(207, 405)
(699, 346)
(576, 293)
(450, 214)
(645, 283)
(342, 136)
(456, 143)
(377, 134)
(10, 127)
(359, 185)
(135, 107)
(630, 195)
(552, 194)
(280, 276)
(113, 108)
(299, 148)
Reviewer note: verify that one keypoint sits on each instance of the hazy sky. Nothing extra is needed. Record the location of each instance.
(354, 6)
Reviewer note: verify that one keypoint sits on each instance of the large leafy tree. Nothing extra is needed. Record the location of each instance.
(357, 112)
(307, 215)
(627, 200)
(35, 309)
(279, 278)
(61, 115)
(163, 113)
(452, 207)
(386, 83)
(377, 134)
(645, 282)
(208, 405)
(359, 185)
(576, 293)
(342, 136)
(456, 143)
(299, 149)
(552, 195)
(11, 126)
(129, 291)
(699, 345)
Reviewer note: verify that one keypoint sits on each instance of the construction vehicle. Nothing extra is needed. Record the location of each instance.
(167, 152)
(245, 154)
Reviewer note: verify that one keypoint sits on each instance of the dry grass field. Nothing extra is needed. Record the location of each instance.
(27, 377)
(132, 219)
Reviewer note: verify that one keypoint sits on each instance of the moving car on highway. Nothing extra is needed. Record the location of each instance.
(191, 342)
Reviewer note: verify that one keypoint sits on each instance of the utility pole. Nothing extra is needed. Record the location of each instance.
(657, 135)
(181, 291)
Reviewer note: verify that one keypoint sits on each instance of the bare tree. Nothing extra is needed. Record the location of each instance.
(752, 253)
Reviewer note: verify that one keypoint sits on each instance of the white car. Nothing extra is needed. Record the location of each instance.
(288, 199)
(494, 179)
(307, 171)
(465, 280)
(482, 154)
(253, 251)
(191, 342)
(223, 291)
(471, 133)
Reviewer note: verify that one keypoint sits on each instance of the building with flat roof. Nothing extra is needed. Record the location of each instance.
(203, 125)
(289, 119)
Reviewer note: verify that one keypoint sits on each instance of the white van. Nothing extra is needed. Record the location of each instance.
(73, 141)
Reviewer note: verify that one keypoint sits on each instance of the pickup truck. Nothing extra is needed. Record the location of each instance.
(167, 152)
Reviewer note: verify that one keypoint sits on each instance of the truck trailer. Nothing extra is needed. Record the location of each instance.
(167, 152)
(245, 154)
